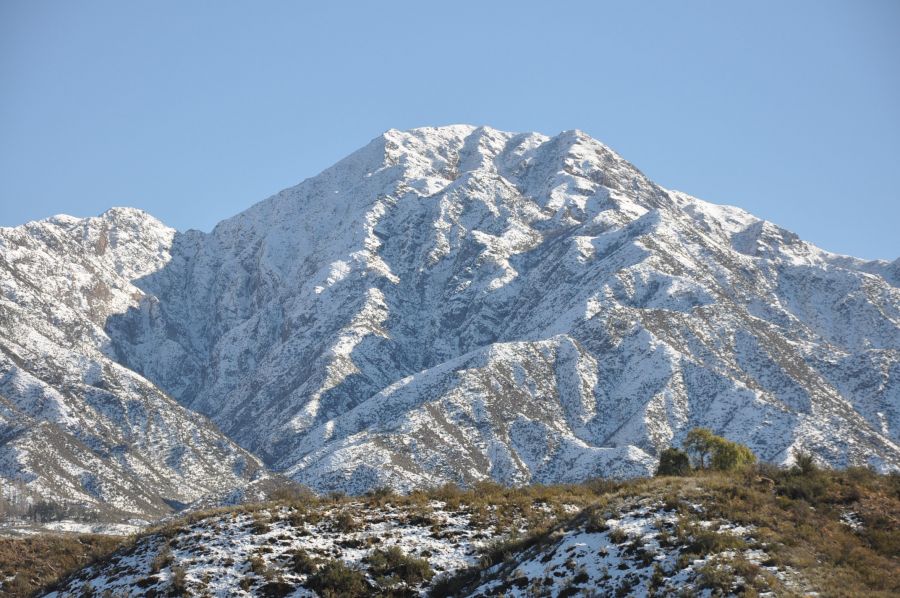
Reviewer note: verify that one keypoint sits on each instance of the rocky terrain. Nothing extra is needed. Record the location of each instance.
(445, 304)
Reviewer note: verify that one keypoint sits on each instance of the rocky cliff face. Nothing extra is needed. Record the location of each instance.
(459, 303)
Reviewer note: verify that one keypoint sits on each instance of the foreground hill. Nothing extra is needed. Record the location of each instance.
(453, 304)
(793, 533)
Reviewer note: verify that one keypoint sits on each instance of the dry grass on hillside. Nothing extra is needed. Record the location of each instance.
(33, 562)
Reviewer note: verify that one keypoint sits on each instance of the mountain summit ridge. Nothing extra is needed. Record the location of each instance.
(458, 303)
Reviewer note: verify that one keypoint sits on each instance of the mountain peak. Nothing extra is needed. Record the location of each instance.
(461, 303)
(124, 213)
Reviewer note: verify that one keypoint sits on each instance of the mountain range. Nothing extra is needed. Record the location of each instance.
(445, 304)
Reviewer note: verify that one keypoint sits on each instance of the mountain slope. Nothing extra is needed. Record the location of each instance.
(77, 427)
(460, 303)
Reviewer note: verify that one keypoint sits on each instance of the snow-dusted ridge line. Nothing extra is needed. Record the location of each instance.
(450, 303)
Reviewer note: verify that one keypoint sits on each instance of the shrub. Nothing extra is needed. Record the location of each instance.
(699, 442)
(498, 551)
(601, 486)
(704, 541)
(258, 565)
(725, 575)
(596, 523)
(658, 579)
(297, 517)
(292, 492)
(728, 456)
(392, 564)
(334, 578)
(673, 461)
(453, 585)
(178, 585)
(260, 524)
(716, 576)
(503, 549)
(618, 536)
(746, 570)
(276, 589)
(302, 563)
(162, 560)
(337, 496)
(450, 494)
(804, 463)
(381, 494)
(716, 452)
(809, 487)
(346, 523)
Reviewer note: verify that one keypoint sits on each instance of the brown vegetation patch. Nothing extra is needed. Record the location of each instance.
(38, 561)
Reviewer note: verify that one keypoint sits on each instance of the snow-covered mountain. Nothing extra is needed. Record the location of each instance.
(76, 427)
(453, 303)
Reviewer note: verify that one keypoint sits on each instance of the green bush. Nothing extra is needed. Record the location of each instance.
(712, 451)
(673, 461)
(699, 443)
(728, 456)
(804, 463)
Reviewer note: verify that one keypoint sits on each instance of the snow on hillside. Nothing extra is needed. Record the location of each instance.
(636, 545)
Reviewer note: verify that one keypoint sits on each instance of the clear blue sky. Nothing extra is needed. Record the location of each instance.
(195, 110)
